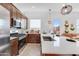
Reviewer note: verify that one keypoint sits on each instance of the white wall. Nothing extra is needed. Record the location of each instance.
(41, 11)
(72, 17)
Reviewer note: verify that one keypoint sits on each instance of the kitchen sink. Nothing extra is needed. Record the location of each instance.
(48, 38)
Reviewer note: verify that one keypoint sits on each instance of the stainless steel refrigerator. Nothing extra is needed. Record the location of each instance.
(4, 32)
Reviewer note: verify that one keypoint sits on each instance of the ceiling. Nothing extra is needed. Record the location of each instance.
(37, 10)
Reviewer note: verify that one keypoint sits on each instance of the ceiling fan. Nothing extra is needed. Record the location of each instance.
(66, 9)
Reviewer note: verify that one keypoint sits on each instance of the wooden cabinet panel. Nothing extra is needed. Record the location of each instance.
(14, 12)
(33, 38)
(14, 47)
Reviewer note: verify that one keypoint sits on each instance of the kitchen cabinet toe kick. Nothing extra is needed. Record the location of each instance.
(45, 54)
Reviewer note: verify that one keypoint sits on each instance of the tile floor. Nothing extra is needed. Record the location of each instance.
(31, 49)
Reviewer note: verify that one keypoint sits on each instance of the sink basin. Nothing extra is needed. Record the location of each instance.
(70, 40)
(48, 38)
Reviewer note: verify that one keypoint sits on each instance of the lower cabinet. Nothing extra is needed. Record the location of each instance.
(33, 38)
(14, 47)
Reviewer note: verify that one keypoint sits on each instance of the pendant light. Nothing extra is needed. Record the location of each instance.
(49, 17)
(66, 9)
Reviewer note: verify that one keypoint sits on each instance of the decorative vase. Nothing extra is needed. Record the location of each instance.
(72, 27)
(66, 24)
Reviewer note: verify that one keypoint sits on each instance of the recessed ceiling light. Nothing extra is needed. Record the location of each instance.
(63, 5)
(33, 6)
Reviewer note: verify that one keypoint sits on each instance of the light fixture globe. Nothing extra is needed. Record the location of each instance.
(66, 9)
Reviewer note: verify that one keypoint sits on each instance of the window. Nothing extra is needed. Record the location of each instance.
(56, 26)
(35, 24)
(77, 26)
(56, 22)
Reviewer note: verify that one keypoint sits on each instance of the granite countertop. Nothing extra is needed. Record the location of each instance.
(19, 35)
(11, 38)
(60, 46)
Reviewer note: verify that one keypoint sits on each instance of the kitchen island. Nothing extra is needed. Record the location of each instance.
(59, 46)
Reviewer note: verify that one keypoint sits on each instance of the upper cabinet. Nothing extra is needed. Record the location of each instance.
(15, 14)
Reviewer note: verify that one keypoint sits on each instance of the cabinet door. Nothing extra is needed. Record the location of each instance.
(33, 38)
(38, 38)
(28, 38)
(14, 47)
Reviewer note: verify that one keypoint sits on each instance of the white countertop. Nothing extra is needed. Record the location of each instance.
(60, 46)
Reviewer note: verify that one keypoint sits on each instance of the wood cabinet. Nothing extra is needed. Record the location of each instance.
(14, 47)
(15, 13)
(33, 38)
